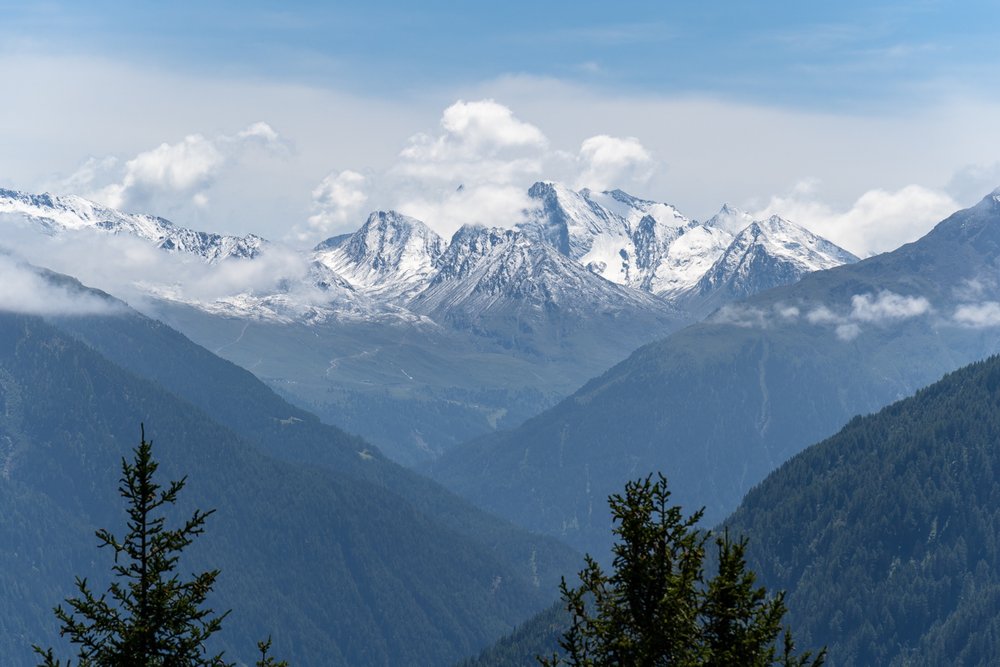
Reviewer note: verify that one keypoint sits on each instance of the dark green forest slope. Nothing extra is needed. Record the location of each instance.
(235, 398)
(719, 405)
(339, 564)
(887, 535)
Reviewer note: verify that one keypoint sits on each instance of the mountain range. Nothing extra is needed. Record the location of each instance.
(344, 557)
(883, 536)
(718, 405)
(454, 338)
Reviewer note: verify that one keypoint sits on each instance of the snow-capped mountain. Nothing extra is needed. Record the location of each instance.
(493, 270)
(391, 256)
(652, 247)
(573, 224)
(60, 213)
(674, 259)
(445, 339)
(730, 219)
(591, 251)
(613, 234)
(768, 253)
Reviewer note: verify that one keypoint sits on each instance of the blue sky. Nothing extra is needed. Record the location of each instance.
(802, 105)
(840, 55)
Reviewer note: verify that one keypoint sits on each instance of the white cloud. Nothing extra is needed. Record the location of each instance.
(788, 312)
(488, 204)
(974, 288)
(878, 221)
(472, 131)
(719, 149)
(847, 332)
(481, 142)
(186, 168)
(752, 317)
(741, 316)
(478, 168)
(24, 290)
(339, 199)
(879, 309)
(822, 315)
(887, 306)
(166, 177)
(973, 181)
(985, 314)
(130, 267)
(609, 162)
(91, 171)
(262, 132)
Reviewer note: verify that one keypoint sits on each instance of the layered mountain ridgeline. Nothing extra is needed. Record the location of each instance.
(651, 246)
(341, 555)
(719, 405)
(57, 214)
(885, 536)
(421, 343)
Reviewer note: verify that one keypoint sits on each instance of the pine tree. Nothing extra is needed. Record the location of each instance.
(149, 616)
(657, 609)
(265, 659)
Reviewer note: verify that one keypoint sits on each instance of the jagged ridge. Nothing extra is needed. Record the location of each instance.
(60, 213)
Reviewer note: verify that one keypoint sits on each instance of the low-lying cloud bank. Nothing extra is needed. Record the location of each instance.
(881, 309)
(985, 314)
(131, 269)
(26, 290)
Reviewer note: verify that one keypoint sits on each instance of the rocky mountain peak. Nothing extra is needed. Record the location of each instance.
(731, 219)
(768, 253)
(388, 239)
(57, 214)
(391, 254)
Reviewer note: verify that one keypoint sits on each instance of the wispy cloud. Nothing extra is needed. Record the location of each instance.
(338, 200)
(742, 315)
(475, 169)
(878, 221)
(972, 181)
(608, 34)
(881, 309)
(24, 289)
(609, 161)
(985, 314)
(160, 177)
(887, 306)
(131, 268)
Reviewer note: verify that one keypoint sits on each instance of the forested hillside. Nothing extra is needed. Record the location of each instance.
(884, 536)
(887, 535)
(719, 405)
(338, 568)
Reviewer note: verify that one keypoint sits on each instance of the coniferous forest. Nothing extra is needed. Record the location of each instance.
(885, 535)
